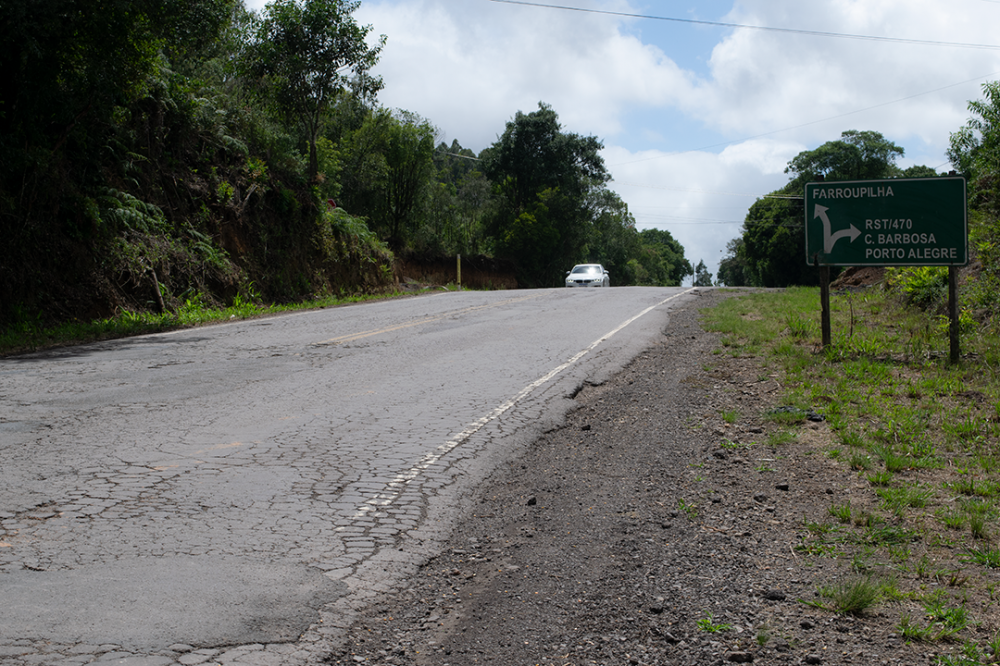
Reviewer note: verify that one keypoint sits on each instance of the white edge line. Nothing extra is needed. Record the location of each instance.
(394, 488)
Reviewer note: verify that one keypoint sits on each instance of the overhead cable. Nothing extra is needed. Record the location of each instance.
(721, 24)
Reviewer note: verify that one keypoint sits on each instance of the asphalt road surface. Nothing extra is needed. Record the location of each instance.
(247, 486)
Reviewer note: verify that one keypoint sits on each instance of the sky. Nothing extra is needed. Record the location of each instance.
(697, 119)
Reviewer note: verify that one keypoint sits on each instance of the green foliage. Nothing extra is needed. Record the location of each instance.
(304, 54)
(543, 179)
(702, 276)
(614, 241)
(773, 245)
(853, 596)
(387, 164)
(709, 625)
(771, 250)
(158, 156)
(733, 270)
(858, 155)
(660, 260)
(923, 286)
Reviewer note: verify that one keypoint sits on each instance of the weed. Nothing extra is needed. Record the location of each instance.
(841, 512)
(818, 549)
(977, 525)
(730, 416)
(910, 631)
(923, 567)
(859, 461)
(943, 621)
(969, 655)
(965, 429)
(780, 437)
(897, 500)
(799, 327)
(890, 535)
(951, 518)
(866, 519)
(948, 620)
(708, 624)
(968, 485)
(994, 642)
(986, 557)
(690, 510)
(818, 528)
(880, 479)
(852, 597)
(852, 439)
(861, 562)
(893, 461)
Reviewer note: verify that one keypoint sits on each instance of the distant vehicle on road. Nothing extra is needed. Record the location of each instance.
(588, 275)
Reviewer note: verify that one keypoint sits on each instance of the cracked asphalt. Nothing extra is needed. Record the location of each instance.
(234, 494)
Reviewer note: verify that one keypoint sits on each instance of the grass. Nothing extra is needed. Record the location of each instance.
(922, 435)
(852, 597)
(31, 336)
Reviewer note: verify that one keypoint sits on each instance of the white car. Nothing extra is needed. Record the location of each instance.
(588, 275)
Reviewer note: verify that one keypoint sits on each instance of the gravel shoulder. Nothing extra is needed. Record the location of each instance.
(630, 535)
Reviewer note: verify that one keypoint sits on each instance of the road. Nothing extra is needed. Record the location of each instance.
(233, 493)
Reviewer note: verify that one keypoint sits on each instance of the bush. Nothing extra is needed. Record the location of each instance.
(922, 286)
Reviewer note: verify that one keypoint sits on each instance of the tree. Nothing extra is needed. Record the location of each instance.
(661, 259)
(772, 252)
(542, 178)
(733, 268)
(613, 238)
(774, 242)
(307, 53)
(388, 165)
(858, 155)
(702, 276)
(974, 150)
(409, 157)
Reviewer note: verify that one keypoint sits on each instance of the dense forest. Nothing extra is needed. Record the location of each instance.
(771, 248)
(159, 151)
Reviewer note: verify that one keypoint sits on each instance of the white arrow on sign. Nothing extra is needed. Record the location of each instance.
(830, 239)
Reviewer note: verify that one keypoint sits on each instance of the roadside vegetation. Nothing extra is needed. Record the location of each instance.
(157, 154)
(921, 435)
(29, 336)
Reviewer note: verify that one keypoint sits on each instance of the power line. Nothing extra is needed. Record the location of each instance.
(811, 122)
(720, 24)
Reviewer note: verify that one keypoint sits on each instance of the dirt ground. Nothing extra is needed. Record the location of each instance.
(632, 535)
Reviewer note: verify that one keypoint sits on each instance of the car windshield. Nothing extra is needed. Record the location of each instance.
(588, 268)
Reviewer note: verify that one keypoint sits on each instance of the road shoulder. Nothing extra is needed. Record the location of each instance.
(657, 526)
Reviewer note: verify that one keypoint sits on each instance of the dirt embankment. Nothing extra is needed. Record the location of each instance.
(478, 272)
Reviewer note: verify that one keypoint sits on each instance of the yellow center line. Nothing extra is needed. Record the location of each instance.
(351, 337)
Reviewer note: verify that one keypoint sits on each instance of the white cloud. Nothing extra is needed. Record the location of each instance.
(761, 80)
(469, 66)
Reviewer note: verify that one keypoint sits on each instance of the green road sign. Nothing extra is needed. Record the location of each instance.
(892, 222)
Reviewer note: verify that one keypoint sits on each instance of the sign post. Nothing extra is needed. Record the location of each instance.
(890, 222)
